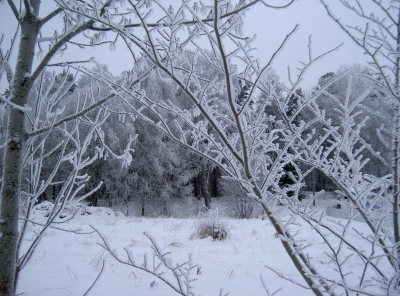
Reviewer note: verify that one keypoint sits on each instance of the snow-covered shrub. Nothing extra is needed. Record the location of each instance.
(211, 225)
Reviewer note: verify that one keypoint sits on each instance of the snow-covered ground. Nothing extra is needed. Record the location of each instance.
(67, 263)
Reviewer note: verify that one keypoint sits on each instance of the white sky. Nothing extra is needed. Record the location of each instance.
(271, 27)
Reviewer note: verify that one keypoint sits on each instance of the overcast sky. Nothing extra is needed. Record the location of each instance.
(271, 27)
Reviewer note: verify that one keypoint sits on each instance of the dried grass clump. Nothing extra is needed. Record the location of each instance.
(211, 225)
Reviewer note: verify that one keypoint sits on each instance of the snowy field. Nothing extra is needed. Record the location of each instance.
(67, 264)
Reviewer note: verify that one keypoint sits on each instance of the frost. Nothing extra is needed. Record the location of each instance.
(23, 109)
(60, 111)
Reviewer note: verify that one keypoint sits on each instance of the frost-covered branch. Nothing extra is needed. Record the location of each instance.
(181, 272)
(97, 278)
(379, 36)
(70, 147)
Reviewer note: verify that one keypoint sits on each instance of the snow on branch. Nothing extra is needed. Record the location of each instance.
(181, 272)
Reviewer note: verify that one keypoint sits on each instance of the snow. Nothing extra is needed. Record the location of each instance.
(67, 264)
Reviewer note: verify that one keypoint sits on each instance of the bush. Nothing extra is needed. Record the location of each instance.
(211, 225)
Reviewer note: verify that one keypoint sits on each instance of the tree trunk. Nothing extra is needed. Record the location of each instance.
(313, 186)
(143, 202)
(396, 187)
(197, 185)
(10, 191)
(215, 177)
(165, 207)
(206, 187)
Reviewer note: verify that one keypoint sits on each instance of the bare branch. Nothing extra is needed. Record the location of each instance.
(97, 278)
(14, 10)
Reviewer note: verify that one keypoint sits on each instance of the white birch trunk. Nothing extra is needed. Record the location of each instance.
(10, 192)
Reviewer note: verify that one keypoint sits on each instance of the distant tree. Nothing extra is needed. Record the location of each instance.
(162, 171)
(289, 178)
(244, 88)
(379, 113)
(293, 104)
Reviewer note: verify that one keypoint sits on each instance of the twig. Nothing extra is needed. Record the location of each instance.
(266, 288)
(281, 275)
(97, 278)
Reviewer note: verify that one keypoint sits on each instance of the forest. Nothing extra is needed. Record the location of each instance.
(203, 131)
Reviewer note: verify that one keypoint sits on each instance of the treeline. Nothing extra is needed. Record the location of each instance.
(161, 171)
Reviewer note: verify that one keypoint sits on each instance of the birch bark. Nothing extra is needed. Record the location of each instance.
(10, 193)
